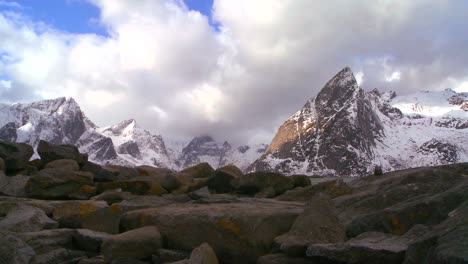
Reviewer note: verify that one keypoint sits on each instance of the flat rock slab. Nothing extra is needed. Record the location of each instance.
(238, 232)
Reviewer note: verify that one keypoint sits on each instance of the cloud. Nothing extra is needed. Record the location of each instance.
(166, 66)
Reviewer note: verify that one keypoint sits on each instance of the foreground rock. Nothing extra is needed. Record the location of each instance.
(222, 180)
(367, 248)
(25, 218)
(57, 183)
(396, 201)
(13, 186)
(15, 155)
(138, 243)
(332, 189)
(238, 232)
(317, 224)
(202, 170)
(255, 182)
(50, 152)
(14, 250)
(203, 254)
(279, 258)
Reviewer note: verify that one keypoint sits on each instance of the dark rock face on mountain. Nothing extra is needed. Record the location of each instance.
(345, 131)
(334, 133)
(218, 154)
(8, 132)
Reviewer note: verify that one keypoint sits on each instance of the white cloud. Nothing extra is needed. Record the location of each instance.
(164, 65)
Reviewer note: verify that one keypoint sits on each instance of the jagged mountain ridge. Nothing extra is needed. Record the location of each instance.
(345, 131)
(61, 121)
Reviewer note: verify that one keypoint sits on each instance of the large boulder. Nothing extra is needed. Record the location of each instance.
(100, 173)
(15, 155)
(301, 180)
(112, 196)
(202, 170)
(137, 186)
(139, 244)
(57, 183)
(222, 180)
(14, 250)
(164, 177)
(317, 224)
(88, 240)
(13, 185)
(123, 173)
(280, 258)
(48, 240)
(203, 254)
(169, 256)
(72, 214)
(259, 181)
(65, 164)
(50, 152)
(367, 248)
(333, 189)
(104, 219)
(60, 256)
(2, 165)
(445, 243)
(396, 201)
(238, 232)
(26, 218)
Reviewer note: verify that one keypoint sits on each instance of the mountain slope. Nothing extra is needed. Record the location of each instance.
(345, 131)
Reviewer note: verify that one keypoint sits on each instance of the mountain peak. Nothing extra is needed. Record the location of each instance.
(125, 127)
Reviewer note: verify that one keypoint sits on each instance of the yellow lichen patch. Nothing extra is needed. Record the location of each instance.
(398, 227)
(87, 208)
(115, 208)
(87, 189)
(228, 225)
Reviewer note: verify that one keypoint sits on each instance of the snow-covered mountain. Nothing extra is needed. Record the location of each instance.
(218, 154)
(61, 121)
(345, 131)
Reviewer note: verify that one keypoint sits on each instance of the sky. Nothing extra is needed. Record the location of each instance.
(232, 69)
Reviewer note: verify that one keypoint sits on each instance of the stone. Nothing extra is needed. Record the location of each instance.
(333, 189)
(203, 254)
(2, 165)
(26, 218)
(139, 244)
(138, 187)
(184, 179)
(168, 181)
(48, 240)
(169, 255)
(100, 173)
(268, 192)
(123, 173)
(317, 224)
(104, 219)
(112, 196)
(88, 240)
(8, 132)
(236, 231)
(94, 260)
(151, 201)
(301, 180)
(232, 169)
(37, 163)
(369, 247)
(14, 250)
(198, 183)
(66, 164)
(202, 170)
(146, 170)
(50, 152)
(222, 181)
(378, 170)
(279, 258)
(15, 155)
(71, 214)
(84, 193)
(56, 183)
(255, 182)
(60, 256)
(13, 185)
(399, 200)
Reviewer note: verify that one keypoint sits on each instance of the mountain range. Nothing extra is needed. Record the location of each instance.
(343, 131)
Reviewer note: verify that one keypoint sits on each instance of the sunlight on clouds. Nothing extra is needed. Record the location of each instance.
(359, 77)
(209, 100)
(395, 76)
(159, 111)
(462, 87)
(102, 98)
(137, 48)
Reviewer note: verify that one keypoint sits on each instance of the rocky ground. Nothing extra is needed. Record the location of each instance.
(65, 209)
